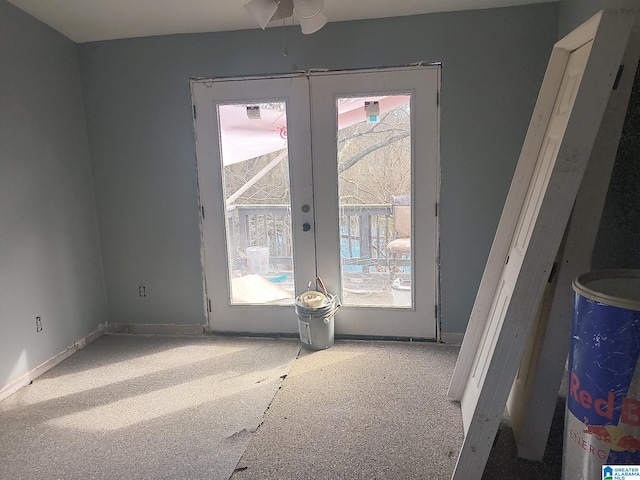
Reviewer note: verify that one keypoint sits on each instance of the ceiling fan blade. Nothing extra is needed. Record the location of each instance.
(285, 10)
(308, 8)
(312, 25)
(262, 11)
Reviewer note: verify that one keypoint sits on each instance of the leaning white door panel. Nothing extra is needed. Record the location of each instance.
(572, 101)
(526, 223)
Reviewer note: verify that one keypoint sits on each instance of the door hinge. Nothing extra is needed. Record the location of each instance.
(438, 98)
(209, 304)
(618, 76)
(436, 310)
(202, 211)
(437, 209)
(194, 112)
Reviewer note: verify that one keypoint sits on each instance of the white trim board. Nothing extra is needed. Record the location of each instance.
(532, 401)
(500, 339)
(44, 367)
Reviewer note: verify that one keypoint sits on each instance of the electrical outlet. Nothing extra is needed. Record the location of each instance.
(142, 291)
(38, 324)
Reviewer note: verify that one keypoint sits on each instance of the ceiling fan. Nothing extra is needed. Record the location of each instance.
(308, 11)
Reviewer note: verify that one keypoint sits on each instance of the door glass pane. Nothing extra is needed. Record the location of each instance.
(374, 188)
(255, 178)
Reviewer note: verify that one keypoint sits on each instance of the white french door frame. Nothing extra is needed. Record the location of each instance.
(419, 321)
(291, 89)
(314, 182)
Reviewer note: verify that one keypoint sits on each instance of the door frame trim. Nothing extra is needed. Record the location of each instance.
(208, 81)
(425, 165)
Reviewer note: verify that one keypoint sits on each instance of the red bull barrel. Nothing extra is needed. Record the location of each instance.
(602, 416)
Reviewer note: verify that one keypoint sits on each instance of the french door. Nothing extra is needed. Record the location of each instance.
(333, 175)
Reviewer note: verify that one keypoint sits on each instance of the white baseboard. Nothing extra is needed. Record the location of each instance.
(157, 329)
(31, 375)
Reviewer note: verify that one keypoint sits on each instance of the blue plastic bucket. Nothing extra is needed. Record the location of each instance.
(602, 417)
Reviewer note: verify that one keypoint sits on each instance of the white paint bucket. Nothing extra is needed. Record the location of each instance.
(401, 292)
(316, 324)
(257, 259)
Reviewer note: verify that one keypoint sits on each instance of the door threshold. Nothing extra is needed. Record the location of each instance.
(372, 338)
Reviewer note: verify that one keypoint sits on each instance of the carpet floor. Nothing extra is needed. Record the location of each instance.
(148, 407)
(378, 410)
(142, 407)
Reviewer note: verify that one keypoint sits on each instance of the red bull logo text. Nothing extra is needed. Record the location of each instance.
(616, 437)
(583, 442)
(630, 407)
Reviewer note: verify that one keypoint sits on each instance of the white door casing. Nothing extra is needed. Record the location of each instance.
(311, 101)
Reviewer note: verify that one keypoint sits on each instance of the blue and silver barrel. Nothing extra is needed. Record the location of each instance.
(602, 417)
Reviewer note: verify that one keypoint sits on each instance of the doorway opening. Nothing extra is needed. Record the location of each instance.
(332, 175)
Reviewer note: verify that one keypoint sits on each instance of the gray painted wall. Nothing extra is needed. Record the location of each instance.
(572, 13)
(618, 242)
(140, 131)
(49, 254)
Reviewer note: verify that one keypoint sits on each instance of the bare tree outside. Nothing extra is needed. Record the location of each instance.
(374, 159)
(374, 163)
(373, 166)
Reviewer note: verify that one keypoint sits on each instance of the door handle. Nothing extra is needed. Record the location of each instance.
(306, 227)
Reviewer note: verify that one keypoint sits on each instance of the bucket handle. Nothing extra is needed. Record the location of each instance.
(320, 284)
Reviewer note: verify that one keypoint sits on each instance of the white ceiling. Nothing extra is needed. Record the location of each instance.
(93, 20)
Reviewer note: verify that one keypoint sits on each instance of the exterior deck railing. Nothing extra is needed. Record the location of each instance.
(366, 230)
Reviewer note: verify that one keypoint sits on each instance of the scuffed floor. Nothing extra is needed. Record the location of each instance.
(142, 407)
(361, 410)
(146, 407)
(378, 410)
